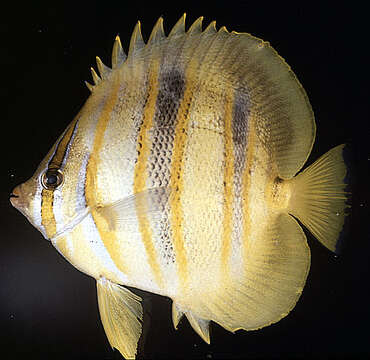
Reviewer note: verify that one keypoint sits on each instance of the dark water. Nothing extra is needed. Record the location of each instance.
(47, 308)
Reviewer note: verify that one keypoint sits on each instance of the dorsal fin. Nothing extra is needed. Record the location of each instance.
(95, 76)
(104, 70)
(136, 42)
(157, 32)
(118, 55)
(211, 28)
(89, 86)
(179, 28)
(223, 30)
(196, 27)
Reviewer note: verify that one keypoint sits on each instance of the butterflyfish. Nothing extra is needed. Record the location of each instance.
(182, 176)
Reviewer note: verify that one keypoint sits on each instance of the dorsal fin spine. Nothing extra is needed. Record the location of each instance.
(136, 42)
(211, 28)
(196, 27)
(89, 86)
(157, 33)
(179, 28)
(103, 69)
(223, 30)
(95, 76)
(118, 55)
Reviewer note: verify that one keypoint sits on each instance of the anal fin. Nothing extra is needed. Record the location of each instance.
(277, 264)
(200, 326)
(121, 314)
(177, 314)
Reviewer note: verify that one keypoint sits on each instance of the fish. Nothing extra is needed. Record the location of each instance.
(184, 175)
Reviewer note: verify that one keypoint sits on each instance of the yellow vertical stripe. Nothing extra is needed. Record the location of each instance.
(228, 182)
(61, 244)
(246, 184)
(47, 214)
(141, 175)
(176, 180)
(108, 237)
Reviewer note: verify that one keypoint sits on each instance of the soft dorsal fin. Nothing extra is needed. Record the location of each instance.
(118, 55)
(280, 104)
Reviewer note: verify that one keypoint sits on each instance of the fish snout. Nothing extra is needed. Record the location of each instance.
(17, 199)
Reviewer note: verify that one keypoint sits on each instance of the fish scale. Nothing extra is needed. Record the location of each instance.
(180, 176)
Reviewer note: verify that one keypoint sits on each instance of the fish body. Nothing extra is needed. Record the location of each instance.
(179, 176)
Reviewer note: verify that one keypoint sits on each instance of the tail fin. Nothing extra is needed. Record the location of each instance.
(318, 197)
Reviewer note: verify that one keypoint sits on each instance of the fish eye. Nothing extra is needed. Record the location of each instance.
(51, 179)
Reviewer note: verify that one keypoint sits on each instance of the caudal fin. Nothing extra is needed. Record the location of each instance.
(319, 199)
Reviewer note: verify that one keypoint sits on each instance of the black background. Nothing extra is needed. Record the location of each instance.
(47, 308)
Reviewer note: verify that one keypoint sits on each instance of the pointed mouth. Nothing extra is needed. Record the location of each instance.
(14, 198)
(19, 201)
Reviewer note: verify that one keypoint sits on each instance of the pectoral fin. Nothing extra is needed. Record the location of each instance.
(121, 314)
(122, 215)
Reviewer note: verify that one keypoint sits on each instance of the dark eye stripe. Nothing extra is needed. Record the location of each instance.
(62, 150)
(57, 161)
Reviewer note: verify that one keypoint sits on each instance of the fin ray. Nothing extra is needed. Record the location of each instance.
(118, 55)
(122, 214)
(95, 76)
(196, 27)
(177, 314)
(136, 42)
(211, 28)
(200, 326)
(318, 197)
(89, 86)
(179, 28)
(157, 33)
(104, 70)
(121, 314)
